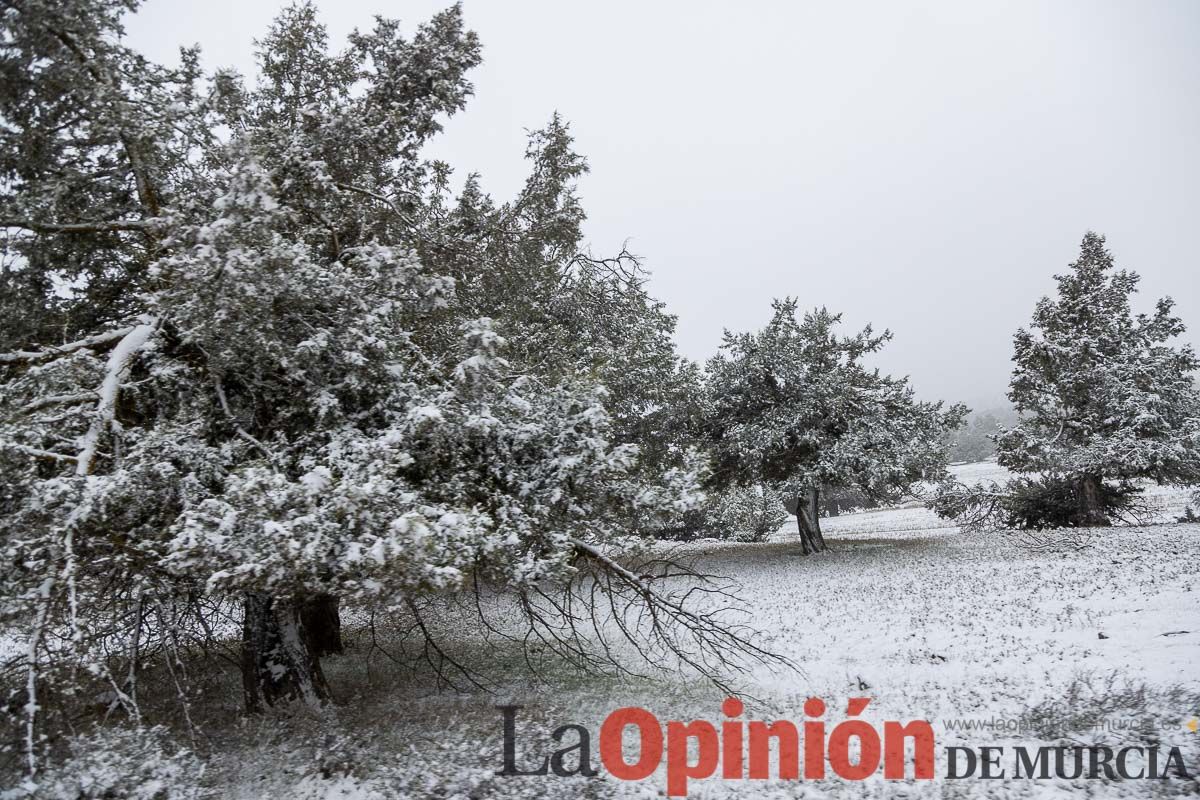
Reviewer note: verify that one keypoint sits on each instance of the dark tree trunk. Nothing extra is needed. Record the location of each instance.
(814, 518)
(808, 520)
(319, 614)
(278, 660)
(833, 506)
(806, 542)
(1091, 513)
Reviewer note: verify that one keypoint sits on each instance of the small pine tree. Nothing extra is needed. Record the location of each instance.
(1102, 394)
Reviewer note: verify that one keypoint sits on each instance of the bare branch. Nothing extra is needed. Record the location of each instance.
(661, 621)
(592, 552)
(238, 428)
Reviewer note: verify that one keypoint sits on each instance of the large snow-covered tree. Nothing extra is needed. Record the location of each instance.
(253, 353)
(1102, 393)
(794, 405)
(568, 312)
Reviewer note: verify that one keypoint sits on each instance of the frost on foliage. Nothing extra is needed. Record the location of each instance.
(1100, 389)
(252, 345)
(119, 764)
(794, 405)
(750, 513)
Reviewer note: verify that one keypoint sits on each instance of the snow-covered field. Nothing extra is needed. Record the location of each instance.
(1098, 641)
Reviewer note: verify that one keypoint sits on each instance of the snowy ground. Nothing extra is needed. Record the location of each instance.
(1166, 503)
(929, 623)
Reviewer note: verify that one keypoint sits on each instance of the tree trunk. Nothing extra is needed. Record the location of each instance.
(806, 543)
(1091, 513)
(319, 614)
(278, 660)
(808, 520)
(833, 506)
(814, 518)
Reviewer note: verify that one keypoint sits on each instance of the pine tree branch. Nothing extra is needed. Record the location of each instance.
(238, 428)
(53, 352)
(376, 196)
(35, 452)
(145, 186)
(119, 362)
(102, 226)
(57, 400)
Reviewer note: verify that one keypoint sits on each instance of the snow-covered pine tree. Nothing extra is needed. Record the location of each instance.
(794, 405)
(230, 300)
(1102, 393)
(241, 370)
(569, 312)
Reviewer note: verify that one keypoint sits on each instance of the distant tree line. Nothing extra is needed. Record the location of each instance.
(976, 439)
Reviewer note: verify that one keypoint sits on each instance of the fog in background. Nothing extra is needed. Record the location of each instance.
(925, 167)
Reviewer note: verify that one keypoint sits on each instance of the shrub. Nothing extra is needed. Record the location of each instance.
(118, 764)
(748, 514)
(1052, 501)
(1189, 513)
(744, 514)
(1037, 503)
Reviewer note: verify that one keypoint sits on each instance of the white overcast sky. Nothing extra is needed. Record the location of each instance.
(925, 167)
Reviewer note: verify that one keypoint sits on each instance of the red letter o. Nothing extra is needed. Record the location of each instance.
(651, 740)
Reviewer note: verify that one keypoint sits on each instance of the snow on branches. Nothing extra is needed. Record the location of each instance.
(1102, 392)
(795, 406)
(253, 357)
